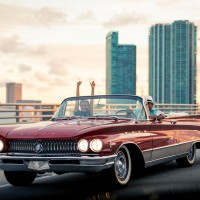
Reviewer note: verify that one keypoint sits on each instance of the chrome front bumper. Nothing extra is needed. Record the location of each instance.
(56, 164)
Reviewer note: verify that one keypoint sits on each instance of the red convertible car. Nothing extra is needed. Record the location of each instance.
(109, 134)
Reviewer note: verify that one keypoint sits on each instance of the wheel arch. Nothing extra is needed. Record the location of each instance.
(137, 158)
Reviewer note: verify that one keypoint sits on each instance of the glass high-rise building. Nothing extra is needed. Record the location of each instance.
(172, 62)
(120, 66)
(159, 62)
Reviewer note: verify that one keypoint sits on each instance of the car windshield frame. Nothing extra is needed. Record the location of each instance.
(61, 112)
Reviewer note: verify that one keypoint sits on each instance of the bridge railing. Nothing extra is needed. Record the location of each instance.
(188, 109)
(26, 112)
(32, 112)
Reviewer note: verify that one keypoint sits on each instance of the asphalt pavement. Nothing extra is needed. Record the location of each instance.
(166, 181)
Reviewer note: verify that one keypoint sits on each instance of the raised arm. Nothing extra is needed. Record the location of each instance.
(92, 84)
(77, 94)
(78, 88)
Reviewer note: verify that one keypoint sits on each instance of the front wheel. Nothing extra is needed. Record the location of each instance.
(121, 170)
(189, 159)
(20, 178)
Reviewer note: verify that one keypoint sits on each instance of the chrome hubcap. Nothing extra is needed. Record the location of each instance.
(121, 165)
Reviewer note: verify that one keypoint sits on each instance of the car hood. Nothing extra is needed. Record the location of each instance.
(53, 129)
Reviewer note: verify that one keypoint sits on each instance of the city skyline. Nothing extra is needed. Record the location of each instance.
(50, 45)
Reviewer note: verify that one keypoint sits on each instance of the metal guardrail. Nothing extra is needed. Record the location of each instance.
(26, 112)
(33, 112)
(190, 109)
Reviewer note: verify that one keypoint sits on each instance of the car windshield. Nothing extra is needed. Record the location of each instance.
(120, 106)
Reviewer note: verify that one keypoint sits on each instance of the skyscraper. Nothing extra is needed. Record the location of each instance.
(172, 62)
(159, 62)
(120, 66)
(13, 92)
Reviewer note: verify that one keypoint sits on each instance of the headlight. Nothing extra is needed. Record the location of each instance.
(83, 145)
(1, 145)
(96, 145)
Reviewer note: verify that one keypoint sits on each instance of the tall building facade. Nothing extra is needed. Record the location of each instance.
(13, 92)
(120, 66)
(172, 62)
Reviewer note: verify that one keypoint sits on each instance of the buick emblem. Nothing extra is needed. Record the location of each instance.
(38, 148)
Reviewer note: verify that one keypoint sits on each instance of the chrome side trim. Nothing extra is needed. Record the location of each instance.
(147, 150)
(177, 144)
(172, 145)
(162, 154)
(164, 159)
(158, 153)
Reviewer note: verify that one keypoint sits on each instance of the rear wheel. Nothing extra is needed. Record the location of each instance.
(121, 170)
(20, 178)
(189, 159)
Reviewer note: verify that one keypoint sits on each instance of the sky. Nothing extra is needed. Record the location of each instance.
(49, 45)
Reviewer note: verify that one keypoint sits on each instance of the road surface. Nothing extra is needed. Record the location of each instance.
(166, 181)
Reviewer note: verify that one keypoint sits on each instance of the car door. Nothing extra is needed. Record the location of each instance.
(164, 143)
(187, 132)
(140, 134)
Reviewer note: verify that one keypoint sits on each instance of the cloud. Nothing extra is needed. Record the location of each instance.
(47, 16)
(44, 89)
(3, 82)
(24, 68)
(60, 82)
(39, 17)
(37, 50)
(13, 44)
(57, 68)
(181, 9)
(15, 16)
(28, 83)
(42, 77)
(12, 16)
(125, 19)
(159, 2)
(85, 16)
(170, 2)
(132, 1)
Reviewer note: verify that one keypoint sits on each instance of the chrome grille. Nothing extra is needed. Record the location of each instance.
(43, 147)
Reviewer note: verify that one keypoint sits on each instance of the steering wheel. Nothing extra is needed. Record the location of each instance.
(129, 113)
